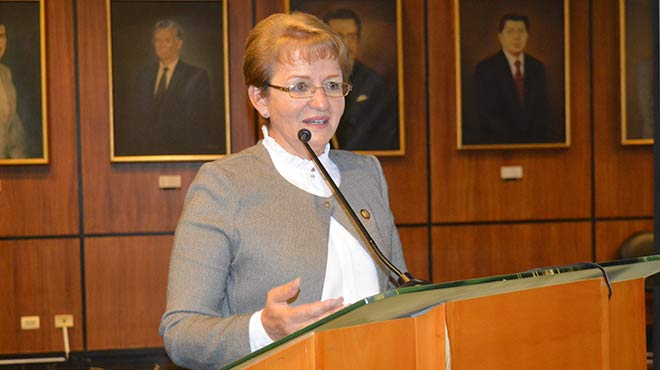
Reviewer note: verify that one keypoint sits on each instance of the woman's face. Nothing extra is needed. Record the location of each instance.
(319, 114)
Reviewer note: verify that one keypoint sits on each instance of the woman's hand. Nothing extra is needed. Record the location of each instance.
(279, 319)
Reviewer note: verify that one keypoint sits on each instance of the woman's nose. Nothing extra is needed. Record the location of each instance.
(319, 100)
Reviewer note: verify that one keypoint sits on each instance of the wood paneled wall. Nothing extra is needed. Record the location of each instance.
(482, 225)
(102, 248)
(623, 175)
(125, 185)
(40, 277)
(126, 281)
(43, 200)
(466, 184)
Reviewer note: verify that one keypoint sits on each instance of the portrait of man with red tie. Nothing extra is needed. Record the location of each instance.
(511, 91)
(509, 96)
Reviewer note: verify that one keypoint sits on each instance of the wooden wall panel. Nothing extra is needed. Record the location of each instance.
(131, 189)
(624, 175)
(610, 235)
(39, 277)
(463, 252)
(415, 243)
(125, 289)
(466, 184)
(42, 200)
(242, 114)
(407, 175)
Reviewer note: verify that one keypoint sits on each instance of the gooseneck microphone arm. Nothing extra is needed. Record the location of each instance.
(404, 278)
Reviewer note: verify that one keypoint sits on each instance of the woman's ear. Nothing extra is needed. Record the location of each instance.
(259, 101)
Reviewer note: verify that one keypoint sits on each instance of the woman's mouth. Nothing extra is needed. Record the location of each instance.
(316, 121)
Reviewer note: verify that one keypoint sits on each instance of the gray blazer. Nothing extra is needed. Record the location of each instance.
(244, 230)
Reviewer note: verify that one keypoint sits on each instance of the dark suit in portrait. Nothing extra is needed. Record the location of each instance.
(176, 122)
(504, 118)
(370, 120)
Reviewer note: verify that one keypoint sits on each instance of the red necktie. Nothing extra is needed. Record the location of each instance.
(520, 82)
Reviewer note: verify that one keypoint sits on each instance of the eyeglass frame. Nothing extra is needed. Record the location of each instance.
(313, 90)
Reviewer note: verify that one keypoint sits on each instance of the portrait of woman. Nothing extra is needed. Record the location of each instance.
(23, 126)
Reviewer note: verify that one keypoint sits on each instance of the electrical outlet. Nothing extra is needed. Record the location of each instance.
(29, 322)
(63, 321)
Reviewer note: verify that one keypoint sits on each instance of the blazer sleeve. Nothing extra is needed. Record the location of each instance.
(198, 331)
(396, 251)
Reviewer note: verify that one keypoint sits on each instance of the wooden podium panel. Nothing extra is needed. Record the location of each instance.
(556, 327)
(407, 343)
(298, 354)
(627, 336)
(369, 346)
(431, 335)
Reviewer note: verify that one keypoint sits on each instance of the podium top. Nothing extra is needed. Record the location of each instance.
(416, 300)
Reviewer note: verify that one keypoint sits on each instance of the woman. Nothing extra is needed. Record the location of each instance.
(262, 248)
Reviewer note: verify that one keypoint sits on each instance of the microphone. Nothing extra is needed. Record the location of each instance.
(404, 279)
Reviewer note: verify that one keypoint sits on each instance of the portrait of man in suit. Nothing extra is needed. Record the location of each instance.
(513, 74)
(370, 120)
(169, 81)
(637, 35)
(171, 100)
(511, 92)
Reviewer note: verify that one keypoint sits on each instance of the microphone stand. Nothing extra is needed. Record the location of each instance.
(404, 279)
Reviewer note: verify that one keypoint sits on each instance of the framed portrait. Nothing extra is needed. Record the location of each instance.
(636, 28)
(168, 73)
(373, 119)
(23, 116)
(512, 74)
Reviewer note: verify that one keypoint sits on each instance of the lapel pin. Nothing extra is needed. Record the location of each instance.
(365, 214)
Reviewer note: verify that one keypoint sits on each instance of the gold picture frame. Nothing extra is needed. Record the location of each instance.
(493, 110)
(636, 71)
(187, 118)
(23, 104)
(374, 118)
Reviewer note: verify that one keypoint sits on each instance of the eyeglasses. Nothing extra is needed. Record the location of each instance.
(303, 90)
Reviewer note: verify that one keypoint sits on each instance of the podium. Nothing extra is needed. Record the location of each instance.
(550, 318)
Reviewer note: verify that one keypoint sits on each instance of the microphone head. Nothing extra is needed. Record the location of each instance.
(304, 135)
